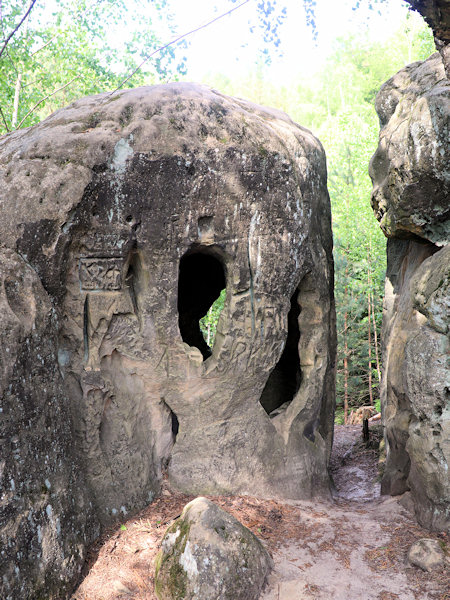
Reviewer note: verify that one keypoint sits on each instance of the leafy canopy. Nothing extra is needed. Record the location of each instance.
(64, 53)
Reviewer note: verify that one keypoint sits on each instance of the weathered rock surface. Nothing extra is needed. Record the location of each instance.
(208, 554)
(416, 379)
(132, 212)
(45, 517)
(410, 169)
(411, 176)
(427, 554)
(437, 14)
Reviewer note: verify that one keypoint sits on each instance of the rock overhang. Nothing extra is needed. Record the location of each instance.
(410, 169)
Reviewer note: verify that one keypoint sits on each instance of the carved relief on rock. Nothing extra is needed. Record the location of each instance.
(157, 220)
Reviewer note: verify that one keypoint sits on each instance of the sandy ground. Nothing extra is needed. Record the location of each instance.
(351, 548)
(353, 553)
(353, 466)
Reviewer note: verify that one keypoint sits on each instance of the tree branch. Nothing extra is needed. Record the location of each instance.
(80, 16)
(12, 62)
(184, 35)
(46, 44)
(43, 99)
(4, 120)
(32, 3)
(32, 82)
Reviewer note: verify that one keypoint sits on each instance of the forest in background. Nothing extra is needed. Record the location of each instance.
(44, 67)
(338, 106)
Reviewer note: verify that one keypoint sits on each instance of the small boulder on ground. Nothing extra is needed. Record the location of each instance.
(427, 554)
(206, 553)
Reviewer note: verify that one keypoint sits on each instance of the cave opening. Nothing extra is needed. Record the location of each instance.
(201, 281)
(133, 280)
(284, 381)
(175, 425)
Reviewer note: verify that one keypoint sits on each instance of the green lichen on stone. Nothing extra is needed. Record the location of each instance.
(126, 115)
(93, 120)
(263, 152)
(177, 581)
(183, 527)
(246, 551)
(170, 581)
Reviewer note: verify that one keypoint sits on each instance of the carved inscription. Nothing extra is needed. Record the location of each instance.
(104, 243)
(101, 274)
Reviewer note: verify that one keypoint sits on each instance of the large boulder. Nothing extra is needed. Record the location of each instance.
(410, 168)
(411, 176)
(45, 516)
(416, 378)
(208, 554)
(133, 211)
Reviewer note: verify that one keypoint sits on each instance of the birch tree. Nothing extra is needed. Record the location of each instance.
(50, 59)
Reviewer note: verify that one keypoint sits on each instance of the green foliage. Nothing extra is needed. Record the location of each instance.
(339, 415)
(208, 324)
(56, 58)
(338, 105)
(349, 133)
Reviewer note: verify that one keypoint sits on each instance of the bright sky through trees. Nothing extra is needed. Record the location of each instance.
(228, 47)
(73, 48)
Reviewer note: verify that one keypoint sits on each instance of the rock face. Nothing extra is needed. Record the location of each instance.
(129, 214)
(410, 167)
(410, 172)
(427, 555)
(208, 554)
(45, 517)
(437, 15)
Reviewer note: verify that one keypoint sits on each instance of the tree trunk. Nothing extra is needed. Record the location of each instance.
(365, 434)
(345, 377)
(208, 341)
(369, 331)
(16, 101)
(375, 338)
(345, 351)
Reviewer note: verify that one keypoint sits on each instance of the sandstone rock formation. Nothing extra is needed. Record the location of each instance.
(208, 554)
(45, 516)
(410, 167)
(129, 213)
(427, 554)
(437, 14)
(410, 172)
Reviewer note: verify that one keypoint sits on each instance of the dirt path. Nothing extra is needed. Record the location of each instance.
(355, 548)
(351, 548)
(353, 465)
